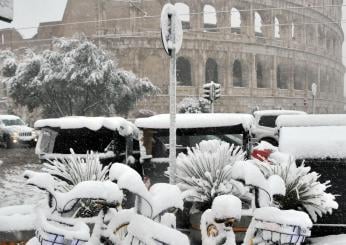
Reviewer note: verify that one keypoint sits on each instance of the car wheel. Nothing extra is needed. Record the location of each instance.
(8, 143)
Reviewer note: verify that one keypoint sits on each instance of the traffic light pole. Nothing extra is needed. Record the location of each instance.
(172, 106)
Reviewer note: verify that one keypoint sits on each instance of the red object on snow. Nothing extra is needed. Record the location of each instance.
(261, 154)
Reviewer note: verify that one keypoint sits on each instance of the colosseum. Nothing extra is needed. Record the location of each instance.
(264, 53)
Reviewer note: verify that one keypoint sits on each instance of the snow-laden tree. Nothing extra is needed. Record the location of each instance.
(75, 77)
(194, 105)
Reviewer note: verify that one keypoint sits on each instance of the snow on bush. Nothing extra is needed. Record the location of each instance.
(194, 105)
(304, 191)
(216, 223)
(73, 169)
(205, 172)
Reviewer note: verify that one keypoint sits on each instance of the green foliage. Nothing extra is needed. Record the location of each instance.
(75, 77)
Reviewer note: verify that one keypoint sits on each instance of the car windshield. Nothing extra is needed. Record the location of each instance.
(13, 122)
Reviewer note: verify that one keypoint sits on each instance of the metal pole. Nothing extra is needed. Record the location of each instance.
(212, 106)
(313, 104)
(172, 107)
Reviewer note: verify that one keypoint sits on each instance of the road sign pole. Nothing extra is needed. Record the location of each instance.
(172, 106)
(172, 37)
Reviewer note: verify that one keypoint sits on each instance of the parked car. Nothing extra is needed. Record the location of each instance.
(14, 132)
(265, 124)
(191, 130)
(318, 141)
(113, 138)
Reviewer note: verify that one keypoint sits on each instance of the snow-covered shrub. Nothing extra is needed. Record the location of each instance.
(194, 105)
(205, 172)
(304, 191)
(71, 170)
(216, 223)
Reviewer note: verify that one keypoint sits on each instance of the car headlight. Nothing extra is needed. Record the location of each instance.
(14, 134)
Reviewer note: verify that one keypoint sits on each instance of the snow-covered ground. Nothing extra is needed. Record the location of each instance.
(13, 190)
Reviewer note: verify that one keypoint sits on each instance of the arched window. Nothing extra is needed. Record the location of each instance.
(282, 77)
(209, 18)
(299, 77)
(258, 24)
(321, 36)
(237, 74)
(259, 75)
(184, 14)
(184, 72)
(211, 73)
(276, 28)
(235, 20)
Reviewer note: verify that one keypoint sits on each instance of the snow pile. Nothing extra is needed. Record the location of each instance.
(106, 190)
(284, 217)
(216, 223)
(314, 142)
(311, 120)
(139, 229)
(199, 120)
(119, 124)
(277, 112)
(165, 196)
(274, 226)
(17, 218)
(66, 228)
(226, 206)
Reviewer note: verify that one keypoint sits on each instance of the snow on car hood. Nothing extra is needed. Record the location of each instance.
(19, 129)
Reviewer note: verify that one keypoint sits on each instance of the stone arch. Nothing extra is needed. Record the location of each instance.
(276, 27)
(237, 74)
(282, 76)
(184, 14)
(258, 22)
(211, 71)
(184, 75)
(263, 70)
(310, 34)
(209, 18)
(299, 76)
(235, 20)
(321, 35)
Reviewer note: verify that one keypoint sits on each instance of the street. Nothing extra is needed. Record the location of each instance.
(13, 190)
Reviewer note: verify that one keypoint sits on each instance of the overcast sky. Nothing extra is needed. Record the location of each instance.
(29, 13)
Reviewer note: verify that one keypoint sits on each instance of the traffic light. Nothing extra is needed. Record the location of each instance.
(207, 93)
(217, 91)
(211, 91)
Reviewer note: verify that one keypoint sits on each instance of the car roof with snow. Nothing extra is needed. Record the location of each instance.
(119, 124)
(9, 117)
(197, 120)
(277, 112)
(313, 142)
(311, 120)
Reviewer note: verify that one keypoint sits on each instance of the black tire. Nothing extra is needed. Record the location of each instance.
(7, 142)
(271, 141)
